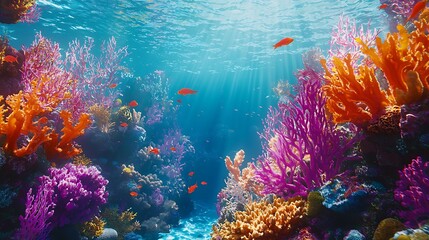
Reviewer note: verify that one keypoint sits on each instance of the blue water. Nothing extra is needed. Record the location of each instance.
(222, 48)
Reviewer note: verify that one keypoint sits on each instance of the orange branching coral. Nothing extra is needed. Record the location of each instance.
(234, 168)
(263, 220)
(403, 58)
(353, 97)
(63, 148)
(244, 178)
(25, 118)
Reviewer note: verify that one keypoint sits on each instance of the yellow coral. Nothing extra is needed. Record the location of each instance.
(81, 160)
(263, 220)
(93, 228)
(122, 222)
(101, 115)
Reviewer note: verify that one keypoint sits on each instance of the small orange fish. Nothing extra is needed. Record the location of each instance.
(186, 91)
(113, 85)
(154, 151)
(190, 174)
(133, 103)
(10, 59)
(383, 6)
(139, 186)
(134, 194)
(192, 188)
(179, 100)
(173, 149)
(124, 124)
(283, 42)
(416, 9)
(203, 183)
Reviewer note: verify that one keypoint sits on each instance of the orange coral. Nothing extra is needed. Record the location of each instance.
(63, 148)
(403, 58)
(353, 97)
(27, 115)
(356, 96)
(263, 220)
(244, 178)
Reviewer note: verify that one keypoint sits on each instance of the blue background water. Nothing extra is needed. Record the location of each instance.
(222, 48)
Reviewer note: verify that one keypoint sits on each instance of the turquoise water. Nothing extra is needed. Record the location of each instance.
(221, 48)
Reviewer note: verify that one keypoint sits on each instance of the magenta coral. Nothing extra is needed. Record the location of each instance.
(412, 191)
(39, 209)
(304, 148)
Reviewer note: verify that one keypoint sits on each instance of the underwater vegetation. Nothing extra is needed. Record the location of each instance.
(90, 151)
(345, 156)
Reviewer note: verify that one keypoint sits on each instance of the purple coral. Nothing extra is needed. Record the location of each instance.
(79, 191)
(304, 148)
(412, 191)
(39, 209)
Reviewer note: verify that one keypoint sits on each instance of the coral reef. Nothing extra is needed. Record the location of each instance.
(93, 227)
(263, 220)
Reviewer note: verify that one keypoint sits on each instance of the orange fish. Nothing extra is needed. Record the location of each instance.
(154, 151)
(10, 59)
(139, 186)
(417, 9)
(133, 103)
(283, 42)
(190, 174)
(134, 194)
(192, 188)
(173, 149)
(113, 85)
(203, 183)
(383, 6)
(124, 124)
(186, 91)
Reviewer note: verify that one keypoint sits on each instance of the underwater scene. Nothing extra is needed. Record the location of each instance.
(214, 119)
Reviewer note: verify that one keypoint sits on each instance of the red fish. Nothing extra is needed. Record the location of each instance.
(154, 151)
(134, 194)
(190, 174)
(124, 124)
(417, 9)
(192, 188)
(179, 100)
(283, 42)
(173, 149)
(133, 103)
(383, 6)
(186, 91)
(139, 186)
(203, 183)
(10, 59)
(113, 85)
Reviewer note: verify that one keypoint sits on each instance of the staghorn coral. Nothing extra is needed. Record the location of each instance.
(63, 147)
(93, 227)
(263, 220)
(403, 59)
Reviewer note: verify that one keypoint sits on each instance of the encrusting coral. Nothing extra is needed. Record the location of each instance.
(263, 220)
